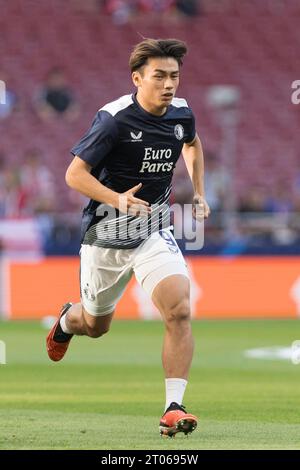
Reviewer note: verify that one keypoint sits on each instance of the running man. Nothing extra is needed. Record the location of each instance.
(125, 164)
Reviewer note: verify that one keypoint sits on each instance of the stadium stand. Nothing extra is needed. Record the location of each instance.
(251, 45)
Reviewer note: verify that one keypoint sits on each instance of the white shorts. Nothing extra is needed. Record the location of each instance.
(105, 272)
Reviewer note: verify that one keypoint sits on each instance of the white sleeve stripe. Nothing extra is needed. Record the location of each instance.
(118, 105)
(179, 103)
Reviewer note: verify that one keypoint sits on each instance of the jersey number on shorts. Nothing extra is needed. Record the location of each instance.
(170, 241)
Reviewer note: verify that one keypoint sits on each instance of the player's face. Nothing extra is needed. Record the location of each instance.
(157, 82)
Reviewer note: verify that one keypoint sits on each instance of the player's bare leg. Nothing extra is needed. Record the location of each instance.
(172, 297)
(74, 319)
(80, 322)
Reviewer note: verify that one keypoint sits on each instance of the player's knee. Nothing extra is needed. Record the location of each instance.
(179, 312)
(96, 331)
(96, 326)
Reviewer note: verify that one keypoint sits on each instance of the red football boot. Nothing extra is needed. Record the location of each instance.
(176, 419)
(58, 341)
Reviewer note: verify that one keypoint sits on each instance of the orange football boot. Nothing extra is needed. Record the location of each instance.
(57, 348)
(176, 419)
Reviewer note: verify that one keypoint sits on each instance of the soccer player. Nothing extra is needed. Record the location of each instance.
(124, 164)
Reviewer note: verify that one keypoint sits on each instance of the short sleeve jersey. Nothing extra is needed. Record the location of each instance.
(125, 146)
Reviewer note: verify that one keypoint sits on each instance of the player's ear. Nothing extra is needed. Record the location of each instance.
(136, 78)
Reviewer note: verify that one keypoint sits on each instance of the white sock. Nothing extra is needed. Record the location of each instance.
(63, 324)
(175, 389)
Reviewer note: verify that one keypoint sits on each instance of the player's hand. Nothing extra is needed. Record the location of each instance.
(201, 209)
(129, 204)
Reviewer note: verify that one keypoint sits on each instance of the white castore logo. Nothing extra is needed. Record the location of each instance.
(136, 137)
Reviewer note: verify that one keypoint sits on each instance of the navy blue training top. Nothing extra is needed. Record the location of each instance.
(125, 146)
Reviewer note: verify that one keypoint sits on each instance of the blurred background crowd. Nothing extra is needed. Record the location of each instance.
(243, 58)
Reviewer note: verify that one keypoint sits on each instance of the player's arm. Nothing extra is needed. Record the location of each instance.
(79, 177)
(193, 156)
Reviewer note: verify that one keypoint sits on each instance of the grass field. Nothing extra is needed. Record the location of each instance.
(109, 393)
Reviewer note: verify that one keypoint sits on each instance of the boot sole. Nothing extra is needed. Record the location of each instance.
(185, 425)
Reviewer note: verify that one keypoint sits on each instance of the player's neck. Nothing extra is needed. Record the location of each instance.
(150, 108)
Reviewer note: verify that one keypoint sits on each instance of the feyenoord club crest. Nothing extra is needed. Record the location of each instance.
(179, 131)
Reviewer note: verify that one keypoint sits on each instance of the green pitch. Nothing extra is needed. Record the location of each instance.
(108, 393)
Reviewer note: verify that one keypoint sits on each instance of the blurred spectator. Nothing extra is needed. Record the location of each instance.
(296, 200)
(123, 10)
(216, 182)
(11, 100)
(2, 185)
(296, 185)
(26, 190)
(56, 98)
(253, 201)
(160, 6)
(11, 195)
(296, 218)
(120, 10)
(37, 183)
(280, 200)
(188, 7)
